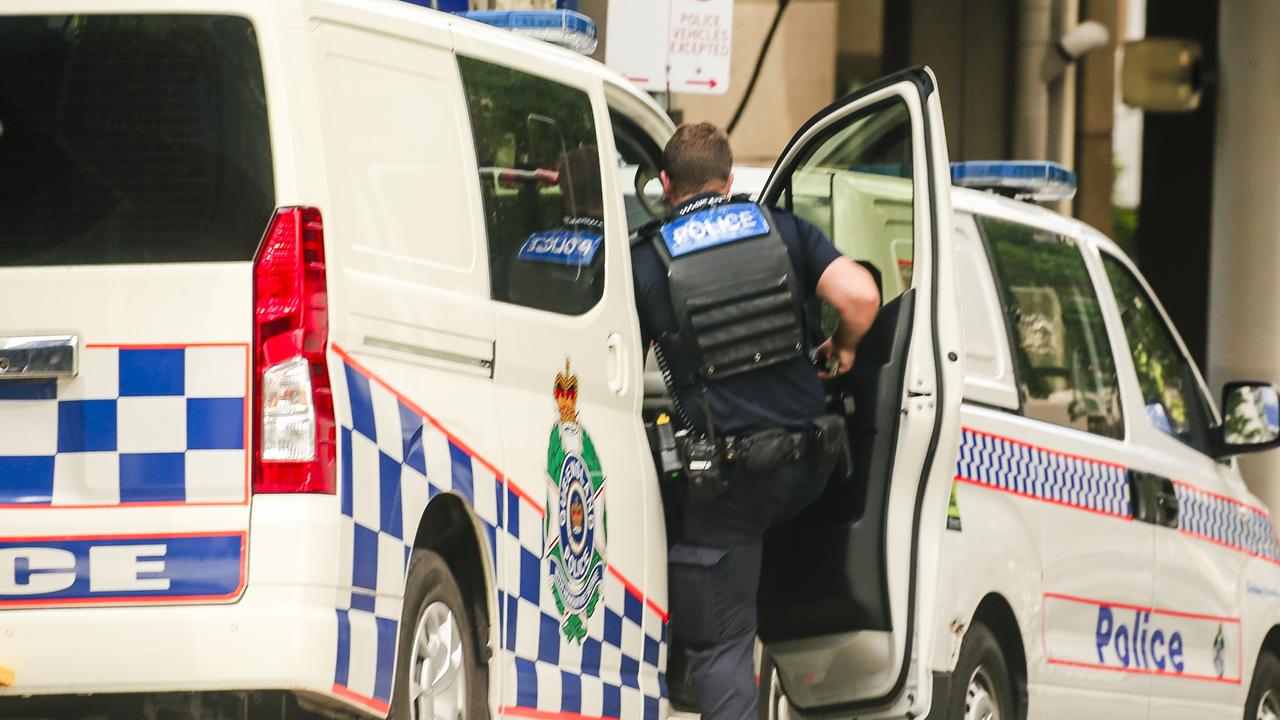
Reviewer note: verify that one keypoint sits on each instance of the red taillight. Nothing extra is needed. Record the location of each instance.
(294, 443)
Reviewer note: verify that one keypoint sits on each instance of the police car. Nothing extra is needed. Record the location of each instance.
(321, 394)
(1102, 554)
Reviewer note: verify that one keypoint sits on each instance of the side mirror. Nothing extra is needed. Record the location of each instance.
(1250, 419)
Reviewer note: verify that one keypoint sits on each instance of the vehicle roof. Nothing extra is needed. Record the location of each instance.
(526, 47)
(530, 52)
(981, 202)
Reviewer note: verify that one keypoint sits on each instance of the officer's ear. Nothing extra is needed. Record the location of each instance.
(666, 185)
(728, 186)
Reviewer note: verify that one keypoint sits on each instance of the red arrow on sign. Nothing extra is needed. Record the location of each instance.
(709, 83)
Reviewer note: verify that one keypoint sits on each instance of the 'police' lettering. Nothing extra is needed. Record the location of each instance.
(114, 568)
(36, 570)
(1136, 645)
(715, 226)
(76, 570)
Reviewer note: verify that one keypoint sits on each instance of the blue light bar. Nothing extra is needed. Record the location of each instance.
(565, 28)
(1037, 180)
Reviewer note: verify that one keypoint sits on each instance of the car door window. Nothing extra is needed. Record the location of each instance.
(539, 163)
(638, 167)
(1066, 372)
(1170, 393)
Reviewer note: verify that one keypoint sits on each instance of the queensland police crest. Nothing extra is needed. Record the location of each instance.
(575, 525)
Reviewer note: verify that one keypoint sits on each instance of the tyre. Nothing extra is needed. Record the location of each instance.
(771, 704)
(438, 672)
(981, 687)
(1264, 692)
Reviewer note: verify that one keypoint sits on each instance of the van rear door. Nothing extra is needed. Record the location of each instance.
(845, 586)
(135, 183)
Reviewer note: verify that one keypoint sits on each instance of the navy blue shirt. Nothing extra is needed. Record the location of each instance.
(788, 394)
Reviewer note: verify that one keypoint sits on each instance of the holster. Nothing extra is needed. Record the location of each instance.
(824, 445)
(829, 447)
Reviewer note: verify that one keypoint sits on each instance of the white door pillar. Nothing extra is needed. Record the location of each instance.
(1244, 288)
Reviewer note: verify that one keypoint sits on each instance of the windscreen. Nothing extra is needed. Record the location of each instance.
(131, 139)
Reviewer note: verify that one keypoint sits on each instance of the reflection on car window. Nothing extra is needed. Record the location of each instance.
(1066, 372)
(1168, 385)
(540, 180)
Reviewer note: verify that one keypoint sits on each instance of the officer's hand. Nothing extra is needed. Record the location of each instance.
(833, 361)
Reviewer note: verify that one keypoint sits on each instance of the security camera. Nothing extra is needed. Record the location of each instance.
(1075, 43)
(1083, 38)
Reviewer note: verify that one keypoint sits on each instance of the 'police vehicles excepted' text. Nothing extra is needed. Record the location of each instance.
(389, 456)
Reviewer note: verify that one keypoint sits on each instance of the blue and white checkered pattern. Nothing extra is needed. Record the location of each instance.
(1042, 474)
(135, 425)
(1226, 522)
(392, 461)
(1024, 469)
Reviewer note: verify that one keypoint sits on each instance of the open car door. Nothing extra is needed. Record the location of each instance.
(848, 588)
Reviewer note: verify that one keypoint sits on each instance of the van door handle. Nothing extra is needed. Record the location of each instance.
(39, 357)
(617, 365)
(1168, 502)
(1155, 499)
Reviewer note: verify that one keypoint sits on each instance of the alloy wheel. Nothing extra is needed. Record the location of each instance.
(1269, 706)
(437, 678)
(980, 701)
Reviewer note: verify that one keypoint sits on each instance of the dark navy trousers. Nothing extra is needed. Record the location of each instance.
(714, 573)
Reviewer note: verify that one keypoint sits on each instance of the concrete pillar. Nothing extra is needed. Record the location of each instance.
(1031, 95)
(1244, 296)
(1096, 116)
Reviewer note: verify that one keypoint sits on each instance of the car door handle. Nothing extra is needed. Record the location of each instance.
(617, 365)
(1168, 502)
(38, 357)
(1155, 500)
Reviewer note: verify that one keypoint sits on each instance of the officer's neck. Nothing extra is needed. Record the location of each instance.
(705, 194)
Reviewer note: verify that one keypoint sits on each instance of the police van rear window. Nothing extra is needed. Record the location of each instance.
(131, 139)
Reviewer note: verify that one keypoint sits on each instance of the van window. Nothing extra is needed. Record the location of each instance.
(639, 160)
(1170, 393)
(131, 139)
(540, 180)
(1066, 372)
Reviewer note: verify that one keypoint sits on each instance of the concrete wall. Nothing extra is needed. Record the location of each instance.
(797, 80)
(1244, 336)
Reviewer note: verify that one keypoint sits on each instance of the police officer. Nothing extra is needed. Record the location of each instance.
(720, 288)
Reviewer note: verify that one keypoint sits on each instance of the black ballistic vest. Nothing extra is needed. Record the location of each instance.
(734, 292)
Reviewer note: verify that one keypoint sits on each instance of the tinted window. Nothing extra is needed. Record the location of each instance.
(1066, 372)
(131, 138)
(1169, 389)
(540, 179)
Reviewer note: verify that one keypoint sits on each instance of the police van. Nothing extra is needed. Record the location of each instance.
(321, 393)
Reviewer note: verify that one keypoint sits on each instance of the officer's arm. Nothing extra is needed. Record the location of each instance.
(851, 291)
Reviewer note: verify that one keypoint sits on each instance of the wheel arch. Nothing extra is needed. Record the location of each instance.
(450, 528)
(995, 612)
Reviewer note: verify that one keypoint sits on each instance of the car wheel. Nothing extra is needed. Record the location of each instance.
(981, 688)
(771, 702)
(438, 674)
(1264, 691)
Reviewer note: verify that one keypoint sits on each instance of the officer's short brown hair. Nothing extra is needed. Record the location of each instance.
(698, 155)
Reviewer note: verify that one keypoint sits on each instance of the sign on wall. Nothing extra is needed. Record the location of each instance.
(679, 46)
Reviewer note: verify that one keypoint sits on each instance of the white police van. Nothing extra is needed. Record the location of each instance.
(388, 457)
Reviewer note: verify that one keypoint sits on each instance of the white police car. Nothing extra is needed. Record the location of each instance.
(1102, 555)
(387, 457)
